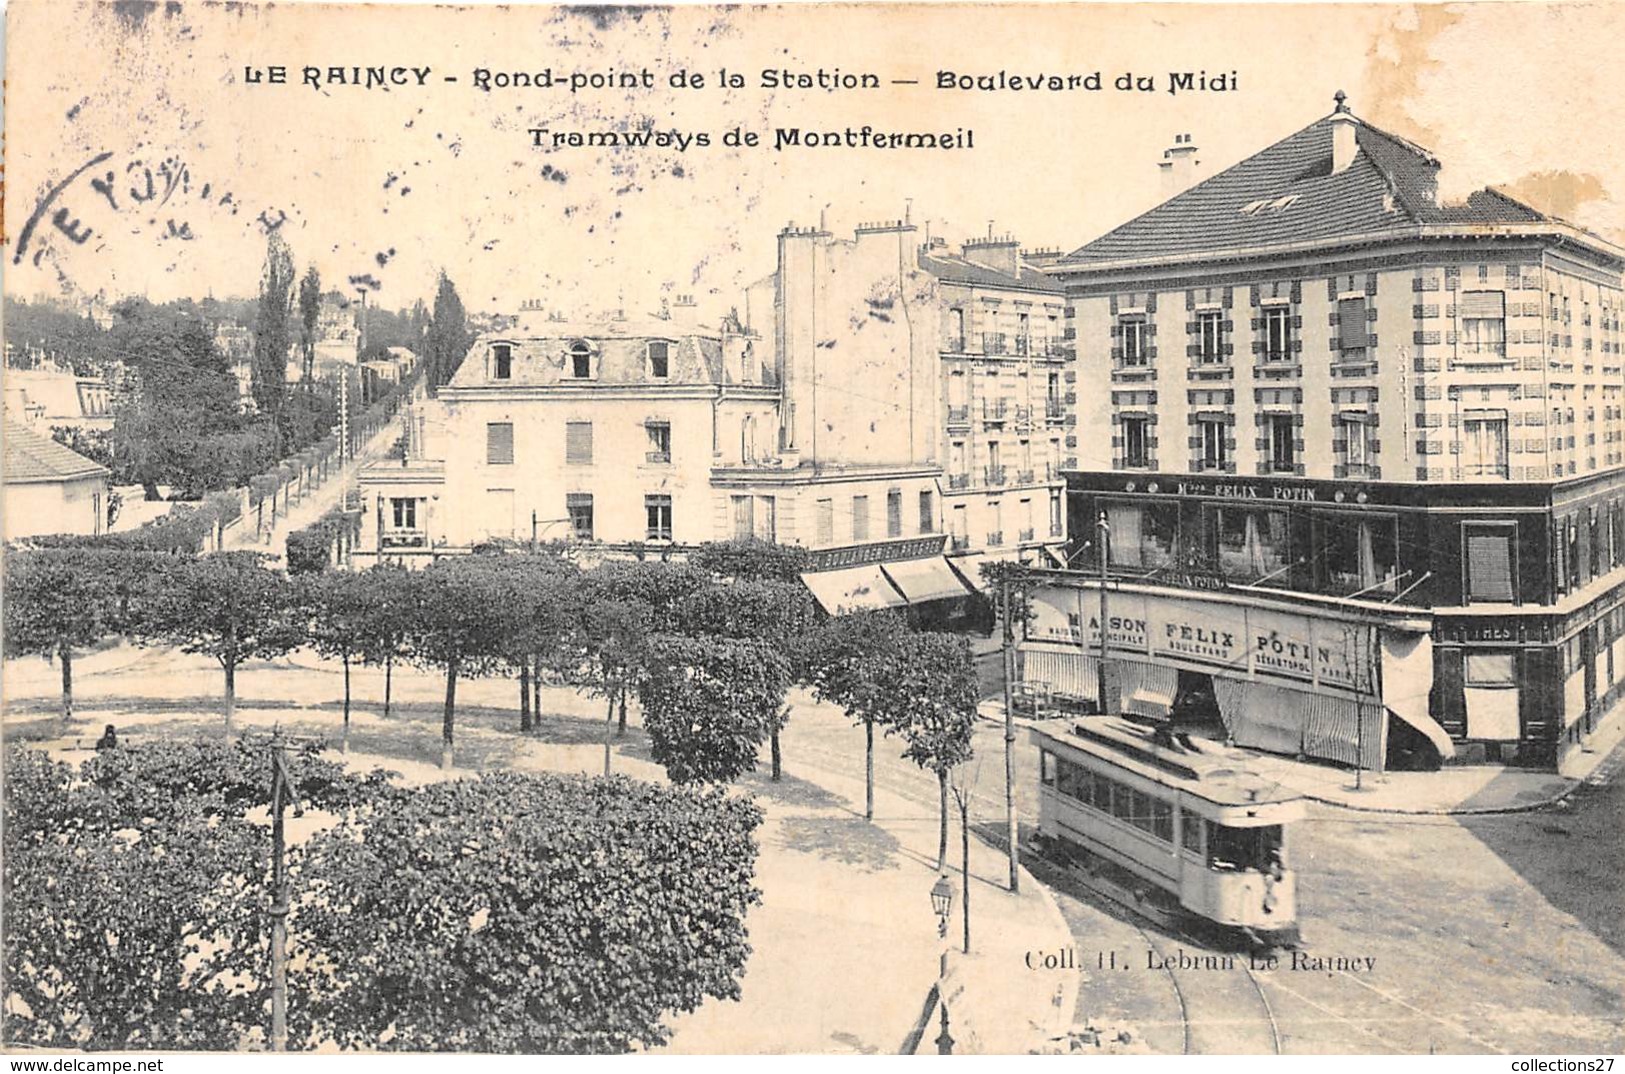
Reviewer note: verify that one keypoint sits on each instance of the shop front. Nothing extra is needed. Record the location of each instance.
(1334, 683)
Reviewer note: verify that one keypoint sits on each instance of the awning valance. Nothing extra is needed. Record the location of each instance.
(852, 589)
(920, 580)
(1407, 676)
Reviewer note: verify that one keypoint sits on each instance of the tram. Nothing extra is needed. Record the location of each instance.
(1177, 815)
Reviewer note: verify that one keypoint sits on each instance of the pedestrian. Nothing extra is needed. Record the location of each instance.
(109, 739)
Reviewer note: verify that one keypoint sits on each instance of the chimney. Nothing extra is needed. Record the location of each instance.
(1178, 166)
(999, 252)
(684, 313)
(1343, 126)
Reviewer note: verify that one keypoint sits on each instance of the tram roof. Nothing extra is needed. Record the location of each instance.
(1208, 775)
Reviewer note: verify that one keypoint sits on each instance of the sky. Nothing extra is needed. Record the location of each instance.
(150, 162)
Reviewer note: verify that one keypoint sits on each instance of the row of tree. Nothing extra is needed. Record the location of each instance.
(709, 648)
(512, 913)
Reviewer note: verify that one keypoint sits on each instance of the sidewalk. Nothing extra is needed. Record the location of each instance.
(1453, 790)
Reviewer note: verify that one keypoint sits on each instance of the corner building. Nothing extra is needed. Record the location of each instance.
(1364, 489)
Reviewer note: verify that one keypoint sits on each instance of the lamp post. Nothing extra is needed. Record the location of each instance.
(942, 901)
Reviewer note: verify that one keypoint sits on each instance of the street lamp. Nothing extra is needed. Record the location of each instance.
(942, 901)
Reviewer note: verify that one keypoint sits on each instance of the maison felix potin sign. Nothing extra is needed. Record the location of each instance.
(1226, 637)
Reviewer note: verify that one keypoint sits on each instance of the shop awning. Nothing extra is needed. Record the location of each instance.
(1147, 689)
(1060, 672)
(1407, 675)
(852, 589)
(920, 580)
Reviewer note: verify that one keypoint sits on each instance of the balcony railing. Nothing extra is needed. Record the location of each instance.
(657, 456)
(1053, 410)
(1049, 348)
(959, 415)
(954, 344)
(1484, 349)
(959, 481)
(1024, 345)
(994, 409)
(1024, 414)
(995, 538)
(993, 475)
(958, 544)
(1024, 477)
(1026, 534)
(994, 343)
(1055, 530)
(401, 538)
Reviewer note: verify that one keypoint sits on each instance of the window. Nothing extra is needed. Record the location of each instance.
(956, 330)
(1136, 441)
(826, 521)
(499, 443)
(928, 512)
(767, 518)
(578, 443)
(1132, 331)
(860, 518)
(578, 506)
(894, 513)
(1212, 443)
(1357, 554)
(1190, 831)
(658, 354)
(1057, 523)
(1490, 564)
(658, 510)
(744, 516)
(1210, 335)
(1484, 443)
(580, 361)
(1283, 443)
(404, 513)
(1046, 768)
(1277, 333)
(1142, 535)
(1352, 332)
(960, 526)
(1252, 544)
(1356, 441)
(1483, 323)
(501, 361)
(659, 440)
(1491, 669)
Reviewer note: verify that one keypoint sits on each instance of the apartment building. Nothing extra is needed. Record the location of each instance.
(1007, 397)
(1363, 494)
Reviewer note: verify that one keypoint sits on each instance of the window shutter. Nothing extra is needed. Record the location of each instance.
(1489, 567)
(578, 441)
(1483, 305)
(1351, 331)
(499, 443)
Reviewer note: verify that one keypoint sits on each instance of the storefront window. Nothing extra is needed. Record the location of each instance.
(1252, 544)
(1357, 554)
(1143, 535)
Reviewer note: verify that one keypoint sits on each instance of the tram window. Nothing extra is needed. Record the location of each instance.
(1066, 778)
(1243, 848)
(1100, 795)
(1086, 786)
(1162, 820)
(1046, 768)
(1190, 831)
(1140, 804)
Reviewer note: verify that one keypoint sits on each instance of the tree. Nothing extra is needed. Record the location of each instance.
(339, 608)
(541, 614)
(135, 905)
(231, 606)
(848, 659)
(709, 703)
(455, 631)
(272, 336)
(310, 313)
(932, 703)
(57, 601)
(447, 339)
(776, 613)
(384, 635)
(521, 913)
(750, 559)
